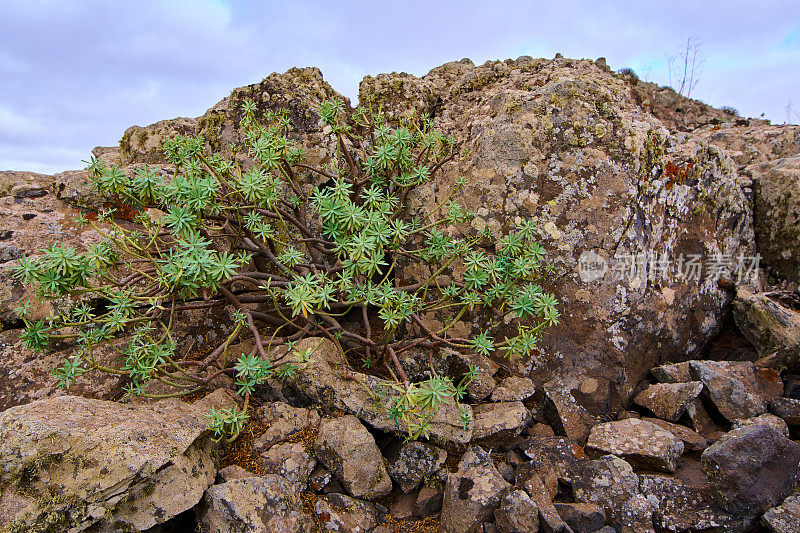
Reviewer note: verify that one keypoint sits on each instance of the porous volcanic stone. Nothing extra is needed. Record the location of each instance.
(752, 469)
(349, 451)
(637, 441)
(472, 493)
(668, 401)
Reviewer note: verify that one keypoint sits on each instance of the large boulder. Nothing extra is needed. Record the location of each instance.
(71, 463)
(752, 469)
(566, 144)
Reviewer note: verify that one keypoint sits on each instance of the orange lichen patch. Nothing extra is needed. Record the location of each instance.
(578, 451)
(241, 452)
(676, 173)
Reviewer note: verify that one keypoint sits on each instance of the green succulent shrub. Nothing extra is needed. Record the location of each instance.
(290, 251)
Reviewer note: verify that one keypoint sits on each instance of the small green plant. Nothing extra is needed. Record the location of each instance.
(291, 251)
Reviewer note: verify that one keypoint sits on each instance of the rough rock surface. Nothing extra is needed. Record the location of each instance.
(414, 461)
(513, 389)
(582, 517)
(284, 421)
(563, 412)
(777, 214)
(565, 143)
(253, 505)
(349, 451)
(609, 482)
(692, 440)
(339, 512)
(574, 147)
(639, 442)
(678, 506)
(517, 512)
(290, 461)
(669, 401)
(74, 463)
(327, 384)
(499, 421)
(766, 419)
(731, 386)
(771, 325)
(752, 469)
(786, 408)
(472, 493)
(784, 518)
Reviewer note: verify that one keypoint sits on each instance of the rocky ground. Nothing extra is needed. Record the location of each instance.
(658, 404)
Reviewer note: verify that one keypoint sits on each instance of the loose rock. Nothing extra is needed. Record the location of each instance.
(414, 461)
(637, 441)
(349, 451)
(472, 493)
(253, 505)
(752, 469)
(668, 401)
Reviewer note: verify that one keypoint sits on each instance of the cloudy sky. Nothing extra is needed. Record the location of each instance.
(75, 74)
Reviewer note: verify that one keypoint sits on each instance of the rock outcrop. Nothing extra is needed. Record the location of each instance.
(70, 463)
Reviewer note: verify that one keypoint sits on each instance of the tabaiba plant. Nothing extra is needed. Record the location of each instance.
(291, 251)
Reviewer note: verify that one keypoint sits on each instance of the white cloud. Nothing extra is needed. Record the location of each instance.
(76, 73)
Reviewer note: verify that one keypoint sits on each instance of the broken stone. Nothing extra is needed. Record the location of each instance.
(513, 389)
(608, 482)
(283, 421)
(290, 460)
(701, 421)
(414, 461)
(564, 414)
(264, 504)
(339, 512)
(636, 515)
(325, 383)
(319, 478)
(112, 465)
(772, 327)
(231, 472)
(639, 442)
(752, 469)
(472, 493)
(542, 497)
(692, 441)
(499, 421)
(788, 409)
(763, 420)
(784, 518)
(517, 513)
(668, 401)
(429, 501)
(725, 386)
(349, 451)
(681, 507)
(673, 373)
